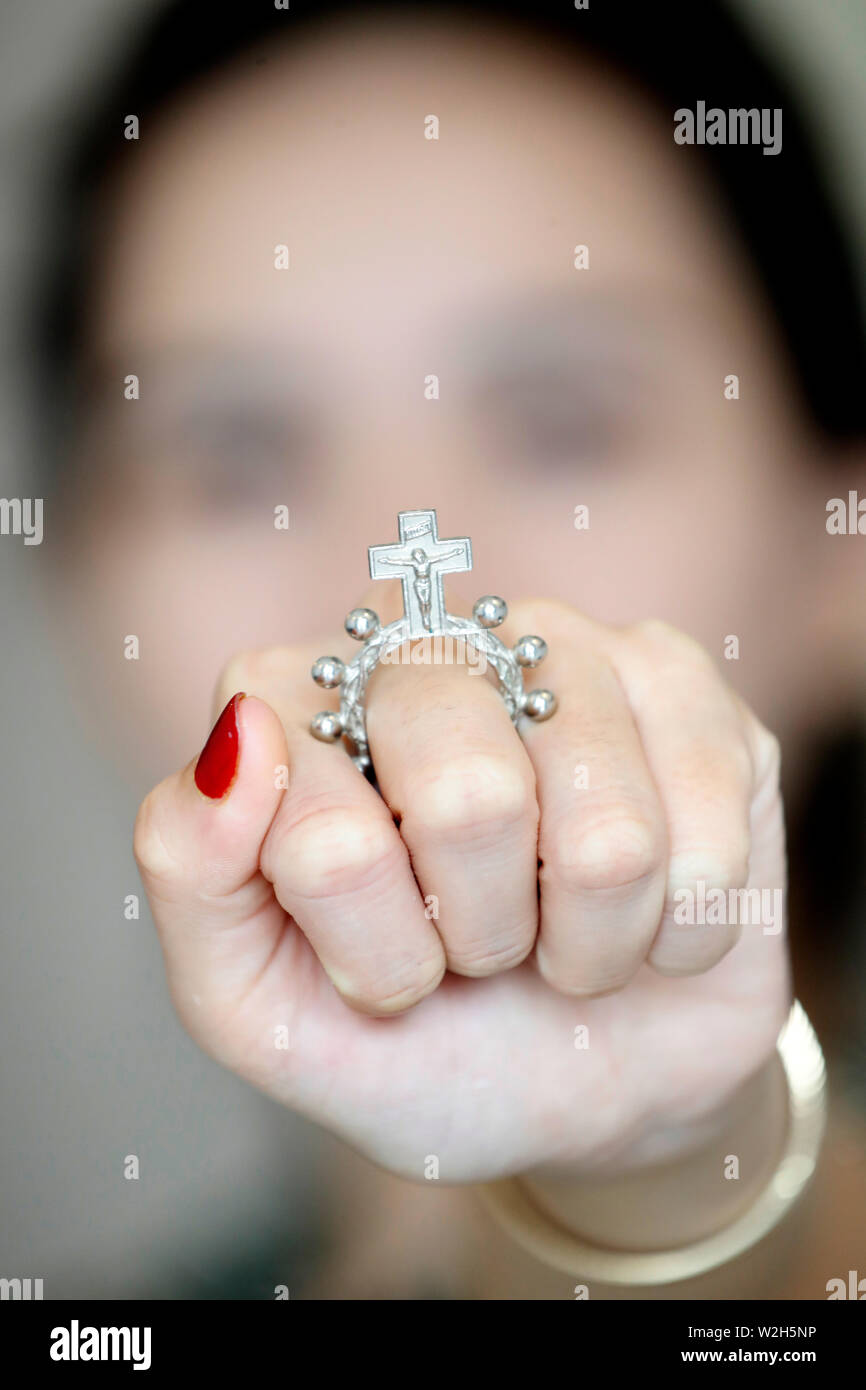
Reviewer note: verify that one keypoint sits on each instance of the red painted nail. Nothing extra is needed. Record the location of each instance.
(218, 761)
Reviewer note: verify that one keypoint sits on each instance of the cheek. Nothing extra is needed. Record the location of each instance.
(193, 597)
(646, 539)
(711, 550)
(692, 546)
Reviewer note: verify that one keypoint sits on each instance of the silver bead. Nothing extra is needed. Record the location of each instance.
(539, 704)
(529, 651)
(326, 726)
(361, 623)
(490, 610)
(328, 671)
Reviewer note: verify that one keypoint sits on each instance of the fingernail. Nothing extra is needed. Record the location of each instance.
(218, 761)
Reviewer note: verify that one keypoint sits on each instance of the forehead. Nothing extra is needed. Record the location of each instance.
(321, 147)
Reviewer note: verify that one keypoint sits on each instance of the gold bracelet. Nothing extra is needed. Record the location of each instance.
(805, 1072)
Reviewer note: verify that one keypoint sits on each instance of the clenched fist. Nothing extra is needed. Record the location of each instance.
(484, 959)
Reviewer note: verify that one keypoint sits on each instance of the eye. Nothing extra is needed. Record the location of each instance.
(238, 452)
(557, 426)
(231, 435)
(554, 420)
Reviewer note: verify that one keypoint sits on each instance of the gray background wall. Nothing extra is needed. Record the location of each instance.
(93, 1065)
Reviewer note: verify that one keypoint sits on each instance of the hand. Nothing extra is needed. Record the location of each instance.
(302, 950)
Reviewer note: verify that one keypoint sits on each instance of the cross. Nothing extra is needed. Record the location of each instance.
(419, 560)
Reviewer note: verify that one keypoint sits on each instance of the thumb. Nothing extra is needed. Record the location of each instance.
(197, 841)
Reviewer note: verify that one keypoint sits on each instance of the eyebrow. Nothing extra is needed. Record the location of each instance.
(612, 335)
(611, 332)
(210, 371)
(527, 357)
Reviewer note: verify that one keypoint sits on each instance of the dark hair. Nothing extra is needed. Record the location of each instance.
(677, 53)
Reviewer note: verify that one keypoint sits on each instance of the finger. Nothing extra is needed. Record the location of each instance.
(335, 858)
(697, 749)
(603, 841)
(339, 866)
(458, 781)
(197, 845)
(764, 937)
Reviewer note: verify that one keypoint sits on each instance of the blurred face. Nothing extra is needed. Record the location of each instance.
(432, 344)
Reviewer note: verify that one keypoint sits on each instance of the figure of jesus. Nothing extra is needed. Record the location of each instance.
(421, 562)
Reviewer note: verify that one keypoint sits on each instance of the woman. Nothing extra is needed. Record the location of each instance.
(590, 348)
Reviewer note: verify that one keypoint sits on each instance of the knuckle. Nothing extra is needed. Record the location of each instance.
(235, 674)
(149, 845)
(328, 852)
(695, 954)
(391, 994)
(657, 633)
(250, 670)
(722, 867)
(769, 758)
(741, 762)
(490, 958)
(621, 851)
(653, 628)
(472, 797)
(543, 614)
(586, 981)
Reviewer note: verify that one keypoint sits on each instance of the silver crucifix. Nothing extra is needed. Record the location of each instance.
(420, 560)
